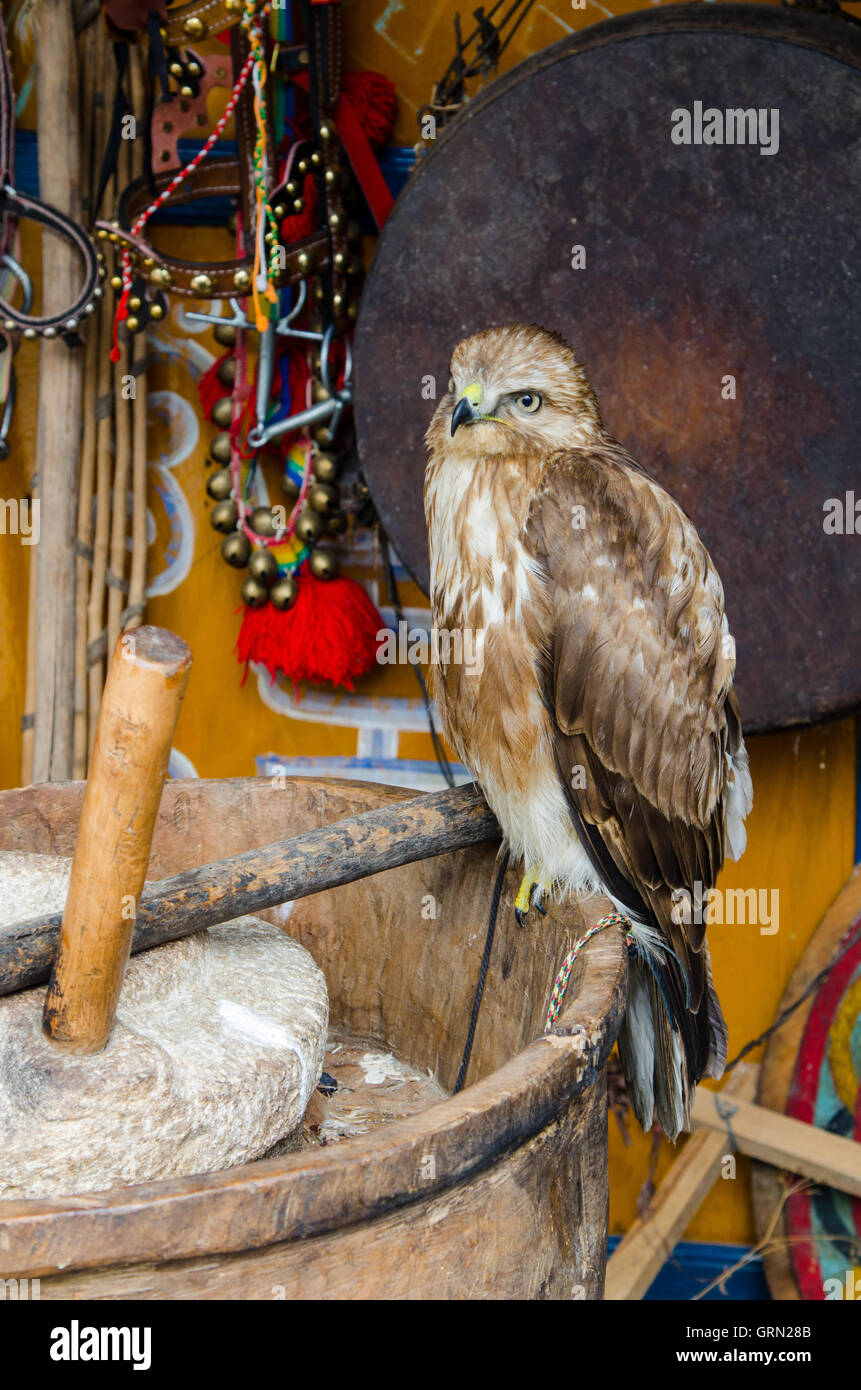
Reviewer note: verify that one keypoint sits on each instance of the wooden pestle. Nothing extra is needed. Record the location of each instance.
(137, 719)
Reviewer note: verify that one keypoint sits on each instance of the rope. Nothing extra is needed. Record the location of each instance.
(126, 260)
(613, 919)
(482, 974)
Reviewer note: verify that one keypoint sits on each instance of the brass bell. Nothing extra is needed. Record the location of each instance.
(284, 592)
(242, 280)
(194, 27)
(255, 593)
(220, 485)
(263, 566)
(308, 526)
(336, 525)
(224, 515)
(116, 282)
(323, 564)
(222, 413)
(132, 323)
(135, 303)
(262, 521)
(324, 436)
(220, 448)
(236, 549)
(325, 468)
(202, 283)
(323, 497)
(227, 372)
(162, 277)
(289, 487)
(319, 392)
(156, 311)
(225, 334)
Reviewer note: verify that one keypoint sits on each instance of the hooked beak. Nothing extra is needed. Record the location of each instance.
(468, 407)
(463, 414)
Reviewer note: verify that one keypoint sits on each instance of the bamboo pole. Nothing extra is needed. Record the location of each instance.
(122, 453)
(59, 416)
(137, 575)
(142, 697)
(87, 62)
(96, 634)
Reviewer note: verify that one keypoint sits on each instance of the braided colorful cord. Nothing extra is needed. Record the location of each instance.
(614, 919)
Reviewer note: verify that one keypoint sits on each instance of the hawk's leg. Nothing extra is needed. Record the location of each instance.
(529, 894)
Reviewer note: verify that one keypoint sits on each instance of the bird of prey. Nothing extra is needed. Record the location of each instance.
(601, 721)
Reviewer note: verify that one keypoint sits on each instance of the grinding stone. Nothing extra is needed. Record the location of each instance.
(217, 1046)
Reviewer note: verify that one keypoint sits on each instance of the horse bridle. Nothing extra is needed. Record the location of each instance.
(15, 207)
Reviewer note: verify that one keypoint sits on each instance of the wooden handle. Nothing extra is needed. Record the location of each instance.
(137, 719)
(335, 854)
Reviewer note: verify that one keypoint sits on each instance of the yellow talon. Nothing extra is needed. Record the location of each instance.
(531, 891)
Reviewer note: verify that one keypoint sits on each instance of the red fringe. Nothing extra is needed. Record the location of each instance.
(299, 225)
(330, 634)
(373, 98)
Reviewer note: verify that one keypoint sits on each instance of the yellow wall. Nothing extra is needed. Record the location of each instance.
(802, 827)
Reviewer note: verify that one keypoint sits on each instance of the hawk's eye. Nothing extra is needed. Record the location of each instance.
(528, 401)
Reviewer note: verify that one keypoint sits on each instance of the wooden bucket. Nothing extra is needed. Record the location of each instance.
(498, 1192)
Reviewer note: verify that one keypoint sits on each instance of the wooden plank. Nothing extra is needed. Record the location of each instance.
(262, 878)
(59, 414)
(784, 1143)
(648, 1244)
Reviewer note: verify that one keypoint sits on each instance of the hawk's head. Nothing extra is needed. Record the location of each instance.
(515, 389)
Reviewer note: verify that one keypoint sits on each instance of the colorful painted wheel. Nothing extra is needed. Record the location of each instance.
(812, 1072)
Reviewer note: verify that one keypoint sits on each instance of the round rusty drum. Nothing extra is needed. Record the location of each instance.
(710, 288)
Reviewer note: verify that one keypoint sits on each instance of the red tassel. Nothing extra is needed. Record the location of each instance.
(330, 633)
(210, 388)
(301, 224)
(373, 98)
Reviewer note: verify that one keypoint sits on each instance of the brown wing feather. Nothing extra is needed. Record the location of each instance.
(637, 679)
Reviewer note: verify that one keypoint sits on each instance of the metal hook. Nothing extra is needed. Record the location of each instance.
(330, 410)
(23, 280)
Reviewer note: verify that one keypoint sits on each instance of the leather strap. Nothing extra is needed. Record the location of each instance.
(181, 24)
(246, 135)
(217, 176)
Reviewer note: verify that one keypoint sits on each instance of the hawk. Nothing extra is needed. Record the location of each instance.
(601, 721)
